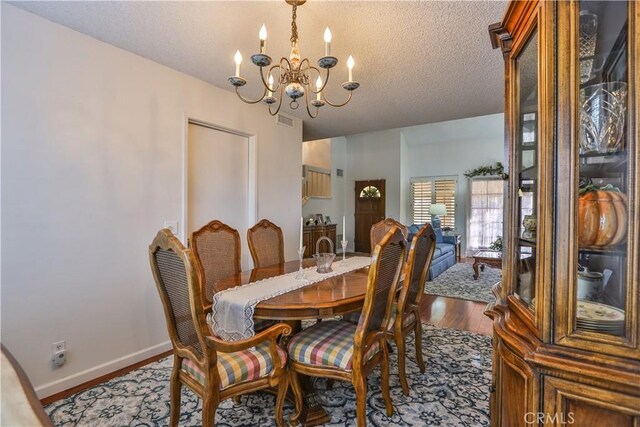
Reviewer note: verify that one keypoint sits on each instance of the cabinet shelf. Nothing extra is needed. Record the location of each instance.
(616, 250)
(603, 165)
(529, 243)
(529, 173)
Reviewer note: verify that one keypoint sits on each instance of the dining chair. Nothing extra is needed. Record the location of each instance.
(337, 349)
(405, 316)
(213, 369)
(380, 229)
(216, 247)
(266, 244)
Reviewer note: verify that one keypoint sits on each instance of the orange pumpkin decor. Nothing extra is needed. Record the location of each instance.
(602, 218)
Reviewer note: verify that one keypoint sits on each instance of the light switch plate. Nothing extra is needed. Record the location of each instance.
(172, 225)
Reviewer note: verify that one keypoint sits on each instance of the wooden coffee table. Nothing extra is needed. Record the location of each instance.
(482, 258)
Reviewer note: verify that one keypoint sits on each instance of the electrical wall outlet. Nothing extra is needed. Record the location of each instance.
(172, 225)
(59, 353)
(59, 358)
(58, 346)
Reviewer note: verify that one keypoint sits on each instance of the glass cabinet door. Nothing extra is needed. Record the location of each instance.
(604, 177)
(526, 157)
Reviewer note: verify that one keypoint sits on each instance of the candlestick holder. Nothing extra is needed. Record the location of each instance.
(344, 251)
(301, 275)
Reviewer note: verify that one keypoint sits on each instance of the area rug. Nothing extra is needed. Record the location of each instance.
(458, 282)
(454, 391)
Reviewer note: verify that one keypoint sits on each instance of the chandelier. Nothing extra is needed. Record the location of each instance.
(293, 76)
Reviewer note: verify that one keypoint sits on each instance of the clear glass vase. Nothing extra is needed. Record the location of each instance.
(602, 117)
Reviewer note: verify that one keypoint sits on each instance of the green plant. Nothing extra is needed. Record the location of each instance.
(496, 245)
(494, 170)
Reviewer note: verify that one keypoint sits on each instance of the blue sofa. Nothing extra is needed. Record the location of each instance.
(445, 253)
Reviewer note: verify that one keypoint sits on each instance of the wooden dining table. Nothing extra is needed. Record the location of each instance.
(325, 299)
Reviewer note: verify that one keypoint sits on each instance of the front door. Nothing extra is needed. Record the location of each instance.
(370, 204)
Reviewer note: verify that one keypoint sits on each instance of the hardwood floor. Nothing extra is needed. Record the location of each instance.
(455, 313)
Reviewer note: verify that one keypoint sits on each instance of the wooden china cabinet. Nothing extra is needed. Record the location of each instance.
(566, 330)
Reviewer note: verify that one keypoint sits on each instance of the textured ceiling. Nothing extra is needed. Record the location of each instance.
(417, 61)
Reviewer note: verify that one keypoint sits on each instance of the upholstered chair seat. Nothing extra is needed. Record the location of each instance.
(327, 343)
(240, 366)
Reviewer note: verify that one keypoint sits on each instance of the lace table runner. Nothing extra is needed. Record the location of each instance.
(233, 309)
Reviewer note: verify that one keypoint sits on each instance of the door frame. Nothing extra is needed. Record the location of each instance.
(252, 170)
(355, 204)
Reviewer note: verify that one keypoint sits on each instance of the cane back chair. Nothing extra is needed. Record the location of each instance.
(337, 349)
(406, 312)
(213, 369)
(216, 247)
(266, 244)
(381, 228)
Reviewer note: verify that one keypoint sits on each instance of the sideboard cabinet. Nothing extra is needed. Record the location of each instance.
(566, 321)
(311, 234)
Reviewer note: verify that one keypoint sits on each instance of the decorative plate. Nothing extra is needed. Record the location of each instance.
(594, 312)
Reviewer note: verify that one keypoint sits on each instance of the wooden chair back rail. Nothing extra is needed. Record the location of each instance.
(266, 244)
(416, 270)
(381, 228)
(216, 247)
(417, 267)
(179, 285)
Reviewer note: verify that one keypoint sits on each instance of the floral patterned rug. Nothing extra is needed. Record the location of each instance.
(454, 391)
(458, 282)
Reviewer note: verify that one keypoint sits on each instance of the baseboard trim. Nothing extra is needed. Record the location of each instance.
(90, 374)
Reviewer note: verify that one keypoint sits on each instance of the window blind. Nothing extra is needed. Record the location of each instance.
(445, 193)
(421, 201)
(426, 191)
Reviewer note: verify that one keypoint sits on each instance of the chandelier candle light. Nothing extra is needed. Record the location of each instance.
(293, 76)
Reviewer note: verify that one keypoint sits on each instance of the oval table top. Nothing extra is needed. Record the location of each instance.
(333, 296)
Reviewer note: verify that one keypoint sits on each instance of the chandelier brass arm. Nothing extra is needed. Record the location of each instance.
(249, 101)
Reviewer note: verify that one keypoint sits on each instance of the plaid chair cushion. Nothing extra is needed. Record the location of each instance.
(327, 343)
(241, 366)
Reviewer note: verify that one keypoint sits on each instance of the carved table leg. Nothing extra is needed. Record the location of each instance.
(476, 272)
(481, 267)
(313, 414)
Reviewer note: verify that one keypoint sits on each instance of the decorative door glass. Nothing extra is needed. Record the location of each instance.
(603, 168)
(527, 170)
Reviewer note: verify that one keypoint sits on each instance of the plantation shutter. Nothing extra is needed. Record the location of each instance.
(445, 193)
(421, 201)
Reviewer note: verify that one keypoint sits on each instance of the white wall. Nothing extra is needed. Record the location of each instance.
(91, 167)
(452, 148)
(374, 155)
(317, 153)
(405, 188)
(336, 151)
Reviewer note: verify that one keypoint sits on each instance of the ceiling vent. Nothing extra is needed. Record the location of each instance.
(283, 120)
(339, 172)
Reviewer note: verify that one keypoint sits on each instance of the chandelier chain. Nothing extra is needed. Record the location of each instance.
(294, 27)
